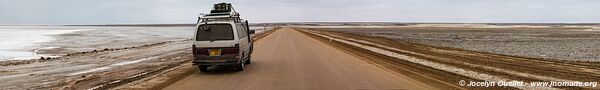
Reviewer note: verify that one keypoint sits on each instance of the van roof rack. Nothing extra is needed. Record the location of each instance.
(221, 10)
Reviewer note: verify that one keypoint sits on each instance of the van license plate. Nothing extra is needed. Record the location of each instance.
(214, 52)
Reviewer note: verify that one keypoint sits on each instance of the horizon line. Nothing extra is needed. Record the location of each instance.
(331, 22)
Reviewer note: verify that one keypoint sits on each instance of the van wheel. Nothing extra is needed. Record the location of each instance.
(203, 68)
(248, 61)
(239, 67)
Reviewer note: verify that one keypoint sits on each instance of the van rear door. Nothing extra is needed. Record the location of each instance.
(215, 40)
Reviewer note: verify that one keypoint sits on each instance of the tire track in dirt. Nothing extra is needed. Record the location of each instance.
(524, 69)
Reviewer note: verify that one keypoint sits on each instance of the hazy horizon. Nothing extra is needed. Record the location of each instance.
(79, 12)
(151, 24)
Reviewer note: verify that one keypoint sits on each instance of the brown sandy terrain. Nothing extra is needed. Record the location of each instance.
(477, 66)
(560, 43)
(96, 69)
(288, 59)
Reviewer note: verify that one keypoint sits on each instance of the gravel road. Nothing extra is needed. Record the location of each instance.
(288, 59)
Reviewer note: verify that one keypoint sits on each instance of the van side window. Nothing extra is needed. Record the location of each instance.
(244, 30)
(241, 31)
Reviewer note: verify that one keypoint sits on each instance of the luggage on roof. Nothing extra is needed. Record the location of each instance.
(221, 8)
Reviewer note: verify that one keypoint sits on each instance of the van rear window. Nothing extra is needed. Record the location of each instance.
(214, 32)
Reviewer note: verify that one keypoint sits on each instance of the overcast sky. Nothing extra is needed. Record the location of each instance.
(186, 11)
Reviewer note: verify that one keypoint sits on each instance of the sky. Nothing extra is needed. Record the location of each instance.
(261, 11)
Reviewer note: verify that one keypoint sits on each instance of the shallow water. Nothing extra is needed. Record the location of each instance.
(18, 42)
(32, 42)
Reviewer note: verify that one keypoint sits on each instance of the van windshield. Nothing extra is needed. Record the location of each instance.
(214, 32)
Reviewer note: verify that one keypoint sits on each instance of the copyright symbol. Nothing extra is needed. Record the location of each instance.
(462, 83)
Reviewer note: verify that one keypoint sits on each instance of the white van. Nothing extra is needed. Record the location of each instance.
(222, 38)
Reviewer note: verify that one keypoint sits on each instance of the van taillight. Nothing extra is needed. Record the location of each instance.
(194, 49)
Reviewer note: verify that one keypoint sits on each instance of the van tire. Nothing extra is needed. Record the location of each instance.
(203, 68)
(249, 60)
(239, 67)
